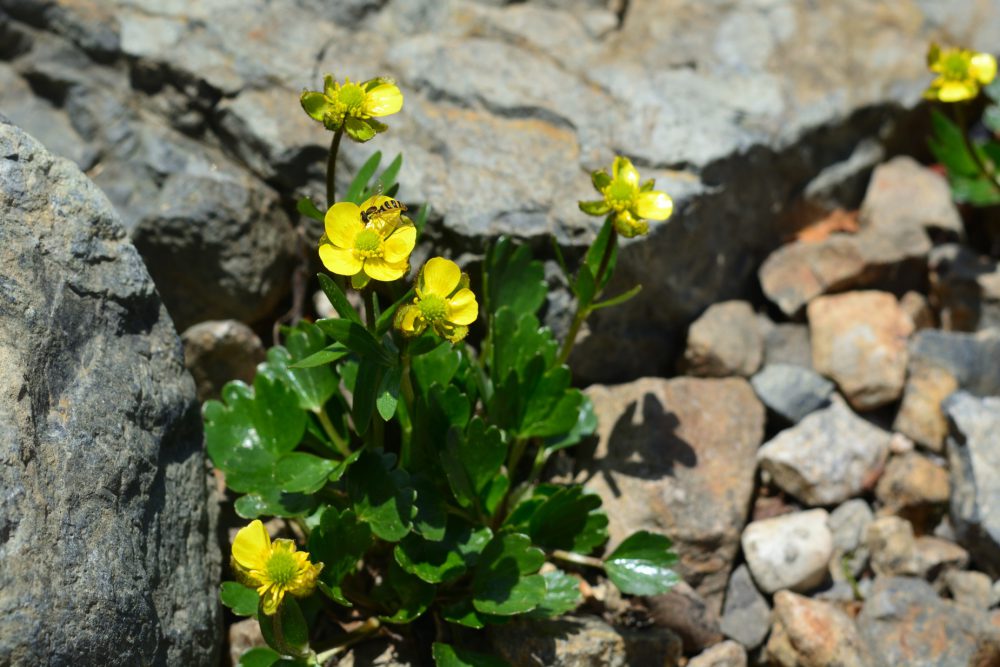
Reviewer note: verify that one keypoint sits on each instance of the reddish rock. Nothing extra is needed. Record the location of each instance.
(678, 457)
(915, 488)
(814, 633)
(859, 341)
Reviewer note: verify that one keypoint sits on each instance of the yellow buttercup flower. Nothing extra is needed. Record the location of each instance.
(353, 107)
(960, 73)
(631, 202)
(444, 302)
(273, 568)
(373, 240)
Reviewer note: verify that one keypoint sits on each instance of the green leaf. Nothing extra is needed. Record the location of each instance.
(431, 517)
(438, 366)
(301, 472)
(242, 600)
(387, 395)
(948, 145)
(381, 496)
(338, 299)
(421, 220)
(273, 503)
(306, 207)
(409, 595)
(596, 207)
(463, 613)
(315, 104)
(562, 595)
(617, 300)
(385, 319)
(358, 339)
(641, 564)
(991, 117)
(584, 286)
(586, 424)
(356, 190)
(514, 279)
(444, 561)
(286, 630)
(992, 89)
(365, 390)
(313, 386)
(250, 429)
(595, 252)
(339, 542)
(977, 190)
(387, 179)
(327, 355)
(569, 519)
(446, 655)
(504, 582)
(472, 461)
(260, 656)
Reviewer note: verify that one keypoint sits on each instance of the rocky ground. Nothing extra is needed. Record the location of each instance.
(808, 390)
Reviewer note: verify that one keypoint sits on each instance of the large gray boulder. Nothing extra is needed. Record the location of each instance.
(107, 548)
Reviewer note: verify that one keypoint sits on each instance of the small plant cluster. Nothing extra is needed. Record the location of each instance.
(408, 463)
(971, 159)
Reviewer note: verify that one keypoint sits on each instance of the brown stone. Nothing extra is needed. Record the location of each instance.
(685, 612)
(219, 351)
(936, 556)
(919, 415)
(859, 341)
(815, 634)
(893, 550)
(678, 457)
(723, 654)
(243, 636)
(726, 340)
(919, 310)
(915, 488)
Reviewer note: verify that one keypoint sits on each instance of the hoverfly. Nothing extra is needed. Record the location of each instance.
(384, 207)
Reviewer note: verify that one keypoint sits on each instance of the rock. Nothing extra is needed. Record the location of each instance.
(859, 341)
(788, 343)
(725, 340)
(243, 636)
(792, 392)
(970, 589)
(686, 614)
(849, 526)
(893, 550)
(827, 458)
(919, 310)
(905, 205)
(109, 554)
(941, 362)
(915, 488)
(936, 556)
(814, 634)
(219, 351)
(584, 641)
(379, 652)
(905, 195)
(975, 477)
(906, 623)
(677, 457)
(789, 551)
(746, 616)
(724, 654)
(899, 444)
(965, 287)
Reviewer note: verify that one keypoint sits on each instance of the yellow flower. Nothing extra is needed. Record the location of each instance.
(631, 202)
(353, 106)
(371, 241)
(272, 568)
(960, 73)
(444, 302)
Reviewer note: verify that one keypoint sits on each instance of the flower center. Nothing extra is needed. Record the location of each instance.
(367, 244)
(352, 96)
(281, 568)
(619, 195)
(956, 66)
(432, 307)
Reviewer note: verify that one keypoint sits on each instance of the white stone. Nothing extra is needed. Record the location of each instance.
(789, 551)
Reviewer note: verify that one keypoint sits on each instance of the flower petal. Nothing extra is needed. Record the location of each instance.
(358, 130)
(315, 104)
(622, 170)
(983, 68)
(408, 320)
(462, 308)
(379, 269)
(342, 223)
(654, 205)
(440, 277)
(339, 260)
(252, 546)
(330, 86)
(400, 243)
(270, 598)
(957, 91)
(383, 99)
(600, 179)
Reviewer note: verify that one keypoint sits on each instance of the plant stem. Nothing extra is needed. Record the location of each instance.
(985, 170)
(331, 433)
(409, 400)
(331, 167)
(583, 309)
(359, 634)
(577, 559)
(377, 426)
